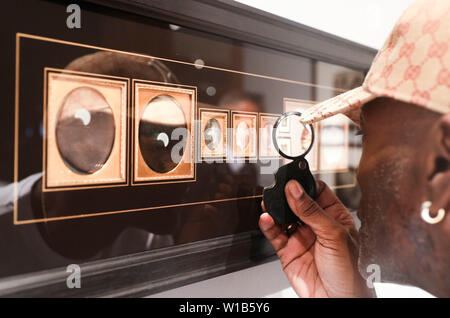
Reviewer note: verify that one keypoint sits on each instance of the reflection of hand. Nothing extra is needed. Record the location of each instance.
(208, 220)
(224, 188)
(320, 257)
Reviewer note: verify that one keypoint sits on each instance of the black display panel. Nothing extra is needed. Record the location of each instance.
(90, 123)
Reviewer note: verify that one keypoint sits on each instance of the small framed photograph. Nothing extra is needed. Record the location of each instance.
(164, 132)
(285, 144)
(244, 131)
(85, 126)
(266, 148)
(285, 126)
(334, 147)
(213, 133)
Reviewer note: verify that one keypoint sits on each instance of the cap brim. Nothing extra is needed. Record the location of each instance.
(348, 103)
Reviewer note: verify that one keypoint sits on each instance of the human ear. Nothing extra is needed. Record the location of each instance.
(438, 172)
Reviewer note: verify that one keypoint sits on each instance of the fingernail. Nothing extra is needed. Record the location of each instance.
(295, 190)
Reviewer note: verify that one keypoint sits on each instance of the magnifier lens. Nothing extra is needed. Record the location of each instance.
(293, 139)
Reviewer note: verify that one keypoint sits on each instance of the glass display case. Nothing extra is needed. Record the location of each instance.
(138, 145)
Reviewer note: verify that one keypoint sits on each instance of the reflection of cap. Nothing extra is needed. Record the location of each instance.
(413, 66)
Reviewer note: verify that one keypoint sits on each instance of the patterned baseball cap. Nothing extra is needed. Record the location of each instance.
(413, 66)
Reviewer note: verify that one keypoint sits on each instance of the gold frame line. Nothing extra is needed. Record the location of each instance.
(150, 208)
(130, 110)
(244, 113)
(126, 128)
(16, 132)
(199, 134)
(48, 39)
(133, 145)
(78, 216)
(259, 136)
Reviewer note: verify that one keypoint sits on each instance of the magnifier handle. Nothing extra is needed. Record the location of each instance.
(274, 197)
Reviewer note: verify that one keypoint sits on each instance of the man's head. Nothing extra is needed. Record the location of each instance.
(403, 108)
(405, 162)
(413, 66)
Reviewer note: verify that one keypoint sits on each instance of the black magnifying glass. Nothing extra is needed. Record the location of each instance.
(293, 140)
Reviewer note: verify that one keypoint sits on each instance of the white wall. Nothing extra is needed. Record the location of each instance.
(267, 280)
(367, 22)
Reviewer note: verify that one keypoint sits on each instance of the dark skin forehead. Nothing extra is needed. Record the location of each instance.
(395, 120)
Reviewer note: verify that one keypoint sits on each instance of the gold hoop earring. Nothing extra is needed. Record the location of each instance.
(425, 214)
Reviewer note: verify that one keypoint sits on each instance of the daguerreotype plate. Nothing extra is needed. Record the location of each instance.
(266, 147)
(163, 132)
(334, 148)
(214, 129)
(244, 134)
(86, 130)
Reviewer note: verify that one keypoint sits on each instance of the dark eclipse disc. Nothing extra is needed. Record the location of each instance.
(213, 133)
(85, 130)
(162, 122)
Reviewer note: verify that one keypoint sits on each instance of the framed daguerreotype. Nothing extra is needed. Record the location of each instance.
(285, 126)
(110, 162)
(266, 147)
(164, 132)
(214, 133)
(334, 147)
(244, 130)
(85, 129)
(285, 144)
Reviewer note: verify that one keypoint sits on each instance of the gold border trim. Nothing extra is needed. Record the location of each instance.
(238, 112)
(200, 156)
(259, 137)
(126, 129)
(48, 39)
(347, 146)
(187, 89)
(16, 132)
(78, 216)
(130, 114)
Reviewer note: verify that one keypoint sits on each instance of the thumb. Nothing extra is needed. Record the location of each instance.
(308, 210)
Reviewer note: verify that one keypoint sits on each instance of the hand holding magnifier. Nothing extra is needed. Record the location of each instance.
(300, 139)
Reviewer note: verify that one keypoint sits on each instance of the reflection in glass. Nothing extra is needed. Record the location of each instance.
(334, 143)
(242, 135)
(312, 157)
(213, 134)
(300, 136)
(266, 147)
(85, 130)
(160, 118)
(284, 143)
